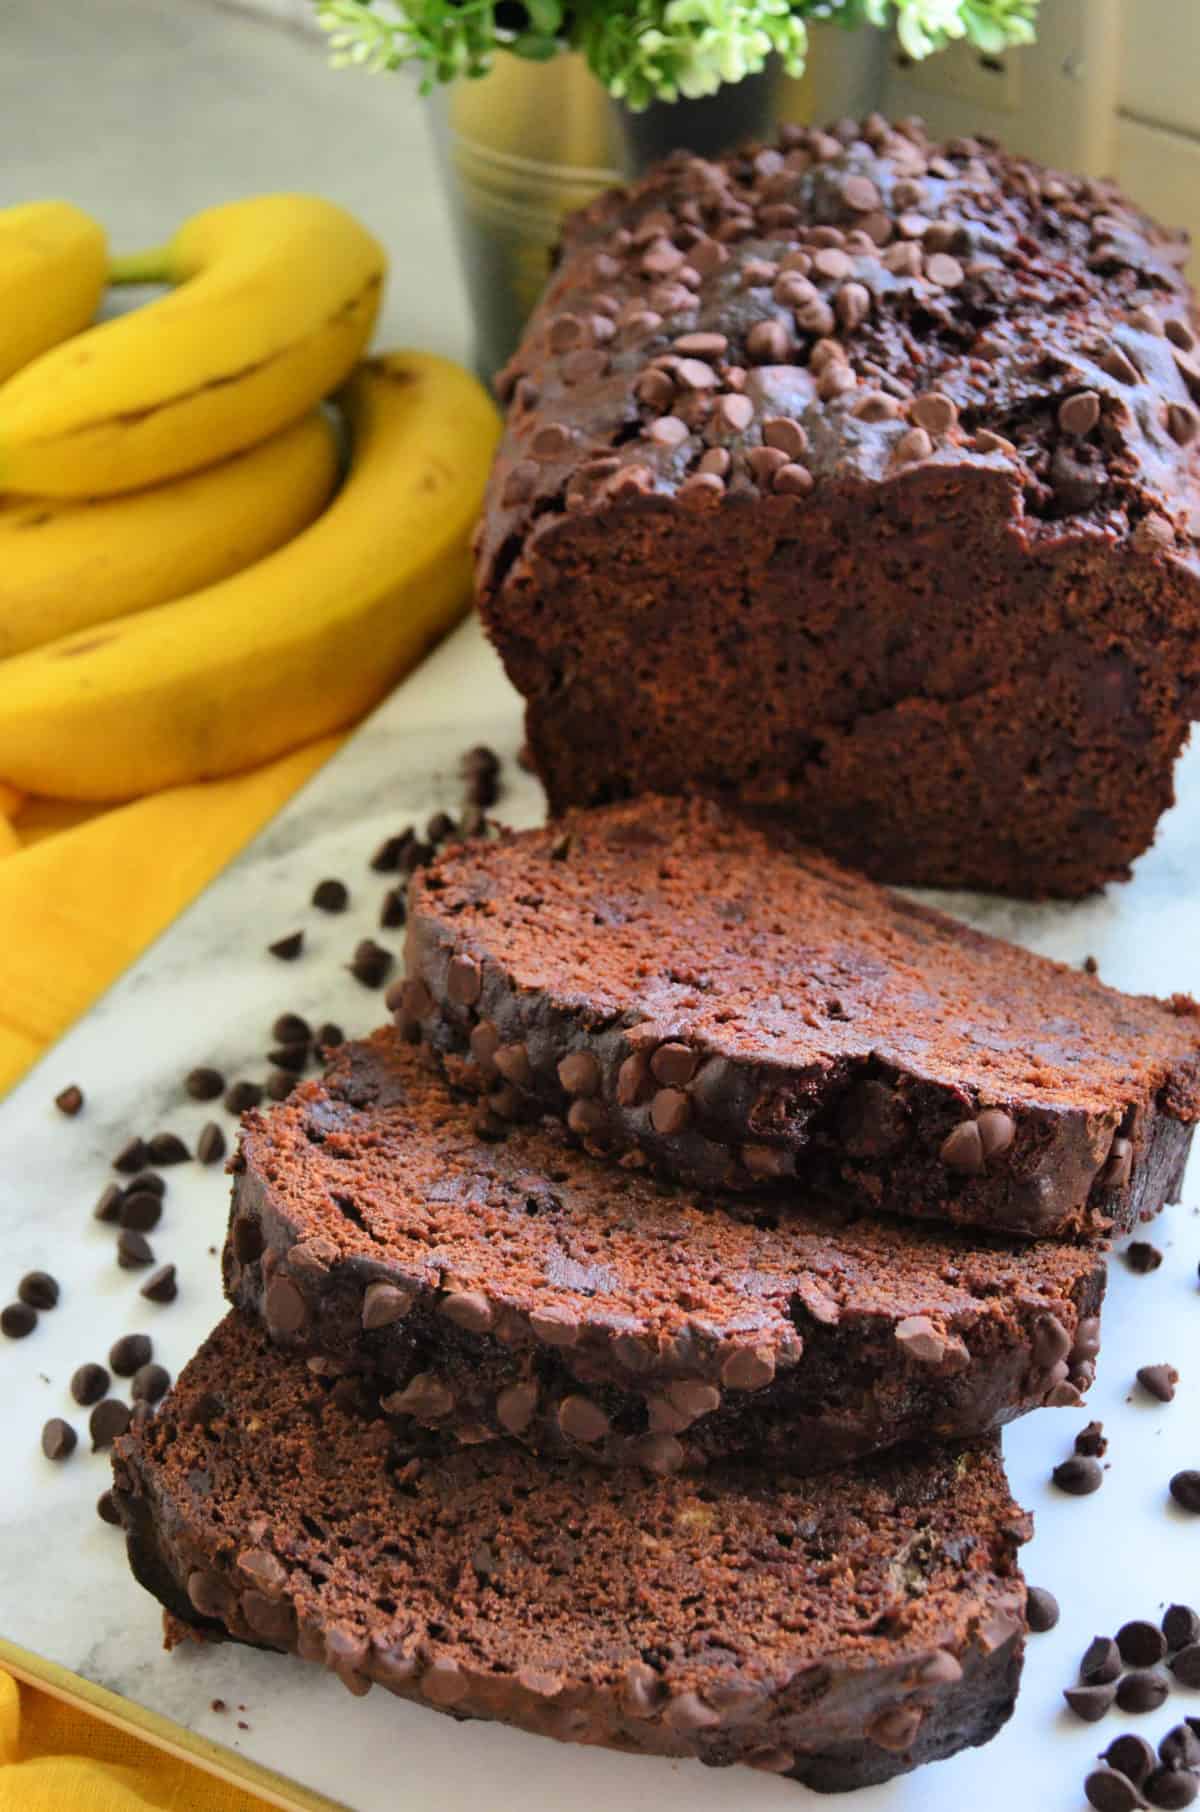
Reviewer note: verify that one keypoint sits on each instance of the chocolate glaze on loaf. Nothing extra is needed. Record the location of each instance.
(521, 1288)
(855, 478)
(679, 985)
(838, 1631)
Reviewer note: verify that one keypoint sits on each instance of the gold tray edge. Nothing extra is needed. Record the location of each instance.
(226, 1764)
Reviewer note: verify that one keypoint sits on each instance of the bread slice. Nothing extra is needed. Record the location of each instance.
(677, 984)
(522, 1288)
(838, 1630)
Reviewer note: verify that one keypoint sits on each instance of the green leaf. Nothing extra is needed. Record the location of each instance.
(534, 47)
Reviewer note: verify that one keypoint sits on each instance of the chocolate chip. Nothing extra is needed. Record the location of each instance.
(89, 1382)
(1142, 1257)
(1170, 1788)
(582, 1420)
(288, 948)
(39, 1290)
(69, 1101)
(464, 980)
(290, 1057)
(670, 1111)
(394, 911)
(1101, 1662)
(1131, 1756)
(579, 1073)
(748, 1368)
(161, 1286)
(331, 895)
(242, 1095)
(132, 1156)
(962, 1149)
(1090, 1441)
(1141, 1644)
(284, 1307)
(210, 1146)
(515, 1406)
(1180, 1748)
(1141, 1691)
(327, 1037)
(167, 1148)
(1185, 1489)
(1159, 1380)
(386, 859)
(150, 1383)
(279, 1085)
(997, 1130)
(468, 1309)
(1090, 1702)
(108, 1206)
(919, 1339)
(17, 1319)
(106, 1509)
(127, 1353)
(133, 1249)
(1041, 1609)
(1109, 1791)
(936, 413)
(1181, 1626)
(1078, 1476)
(768, 343)
(1183, 424)
(140, 1209)
(1079, 414)
(372, 964)
(204, 1084)
(943, 270)
(59, 1439)
(109, 1419)
(1186, 1665)
(1118, 366)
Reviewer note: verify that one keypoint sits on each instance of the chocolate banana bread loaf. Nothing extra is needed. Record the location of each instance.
(838, 1631)
(521, 1288)
(854, 477)
(684, 988)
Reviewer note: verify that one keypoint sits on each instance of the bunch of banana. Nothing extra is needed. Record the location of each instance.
(179, 599)
(53, 269)
(298, 644)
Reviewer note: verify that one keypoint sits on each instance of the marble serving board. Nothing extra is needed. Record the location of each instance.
(207, 992)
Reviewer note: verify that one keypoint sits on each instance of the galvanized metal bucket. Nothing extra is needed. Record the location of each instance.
(528, 142)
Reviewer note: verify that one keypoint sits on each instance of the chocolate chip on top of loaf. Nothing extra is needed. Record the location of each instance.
(676, 983)
(900, 440)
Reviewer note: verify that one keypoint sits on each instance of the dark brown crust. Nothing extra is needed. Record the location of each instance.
(519, 1289)
(958, 645)
(257, 1508)
(864, 1031)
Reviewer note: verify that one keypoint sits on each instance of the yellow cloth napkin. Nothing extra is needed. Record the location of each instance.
(56, 1758)
(81, 894)
(76, 907)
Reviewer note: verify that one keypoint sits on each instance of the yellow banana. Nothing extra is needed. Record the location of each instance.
(286, 650)
(275, 302)
(65, 566)
(53, 269)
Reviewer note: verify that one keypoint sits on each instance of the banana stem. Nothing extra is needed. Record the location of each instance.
(150, 266)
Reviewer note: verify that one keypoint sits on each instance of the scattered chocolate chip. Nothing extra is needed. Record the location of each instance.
(141, 1209)
(106, 1509)
(1109, 1791)
(59, 1439)
(148, 1181)
(331, 896)
(127, 1353)
(291, 1057)
(1185, 1489)
(1091, 1441)
(1142, 1257)
(1090, 1702)
(39, 1290)
(1186, 1665)
(69, 1101)
(109, 1419)
(372, 964)
(1159, 1380)
(1181, 1626)
(210, 1146)
(394, 911)
(241, 1096)
(1078, 1476)
(89, 1382)
(1079, 414)
(132, 1156)
(1041, 1609)
(1101, 1662)
(162, 1286)
(167, 1148)
(328, 1036)
(17, 1319)
(386, 859)
(1180, 1748)
(150, 1383)
(1171, 1788)
(108, 1207)
(133, 1250)
(1141, 1644)
(288, 948)
(1131, 1756)
(204, 1084)
(1142, 1691)
(280, 1084)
